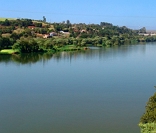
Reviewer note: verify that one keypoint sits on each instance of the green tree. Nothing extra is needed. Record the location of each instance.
(148, 119)
(6, 23)
(48, 44)
(68, 21)
(26, 45)
(150, 115)
(143, 30)
(44, 19)
(1, 43)
(6, 43)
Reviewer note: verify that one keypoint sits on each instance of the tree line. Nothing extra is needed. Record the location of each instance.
(30, 44)
(27, 40)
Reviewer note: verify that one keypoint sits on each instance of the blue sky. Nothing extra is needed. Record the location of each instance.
(133, 13)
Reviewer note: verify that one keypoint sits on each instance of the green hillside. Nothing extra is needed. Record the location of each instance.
(27, 35)
(3, 19)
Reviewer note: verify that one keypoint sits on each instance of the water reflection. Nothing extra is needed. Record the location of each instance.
(26, 58)
(101, 53)
(94, 91)
(148, 120)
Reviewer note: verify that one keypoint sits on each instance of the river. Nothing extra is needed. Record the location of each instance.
(101, 90)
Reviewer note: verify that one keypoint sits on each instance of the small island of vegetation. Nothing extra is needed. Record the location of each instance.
(27, 35)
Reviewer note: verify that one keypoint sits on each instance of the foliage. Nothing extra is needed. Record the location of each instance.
(148, 120)
(23, 32)
(105, 24)
(44, 19)
(38, 24)
(5, 42)
(150, 115)
(26, 45)
(142, 30)
(148, 127)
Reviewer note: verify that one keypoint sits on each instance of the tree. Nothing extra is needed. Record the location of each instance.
(150, 115)
(6, 23)
(6, 42)
(26, 45)
(105, 24)
(44, 19)
(148, 120)
(48, 44)
(1, 43)
(143, 30)
(68, 22)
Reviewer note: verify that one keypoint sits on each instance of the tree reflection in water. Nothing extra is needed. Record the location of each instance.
(26, 58)
(93, 52)
(32, 58)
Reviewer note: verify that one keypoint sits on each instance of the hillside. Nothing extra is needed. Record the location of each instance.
(22, 34)
(3, 19)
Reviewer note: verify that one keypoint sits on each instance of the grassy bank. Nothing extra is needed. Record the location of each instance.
(8, 51)
(55, 49)
(70, 48)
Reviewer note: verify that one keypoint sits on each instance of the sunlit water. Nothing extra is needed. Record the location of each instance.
(95, 91)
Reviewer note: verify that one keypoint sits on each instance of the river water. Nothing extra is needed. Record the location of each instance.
(101, 90)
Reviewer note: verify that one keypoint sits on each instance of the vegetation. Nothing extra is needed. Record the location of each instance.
(148, 127)
(3, 19)
(26, 35)
(8, 51)
(148, 120)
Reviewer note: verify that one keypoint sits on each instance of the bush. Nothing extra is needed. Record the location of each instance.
(148, 120)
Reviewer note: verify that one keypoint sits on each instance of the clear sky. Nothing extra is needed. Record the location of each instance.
(131, 13)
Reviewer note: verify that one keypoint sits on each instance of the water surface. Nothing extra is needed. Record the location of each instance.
(95, 91)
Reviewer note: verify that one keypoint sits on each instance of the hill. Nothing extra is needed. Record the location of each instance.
(3, 19)
(29, 35)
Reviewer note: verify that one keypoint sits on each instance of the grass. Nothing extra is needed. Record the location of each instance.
(3, 19)
(68, 48)
(57, 49)
(8, 51)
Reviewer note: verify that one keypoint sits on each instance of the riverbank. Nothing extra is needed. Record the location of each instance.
(8, 52)
(70, 48)
(55, 49)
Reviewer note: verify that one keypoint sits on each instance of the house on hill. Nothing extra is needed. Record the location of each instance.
(31, 27)
(50, 35)
(147, 34)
